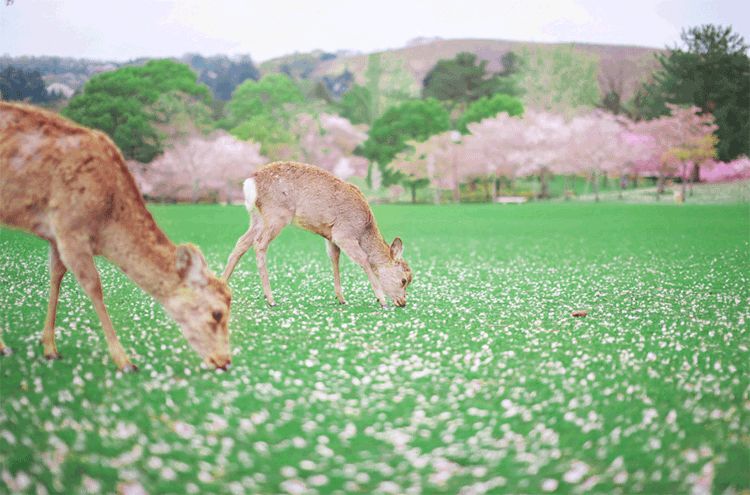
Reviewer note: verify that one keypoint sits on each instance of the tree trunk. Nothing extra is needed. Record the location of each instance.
(413, 192)
(595, 183)
(436, 195)
(696, 175)
(683, 186)
(660, 185)
(194, 195)
(543, 185)
(457, 193)
(623, 184)
(495, 188)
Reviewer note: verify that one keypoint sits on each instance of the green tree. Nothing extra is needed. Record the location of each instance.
(263, 112)
(387, 84)
(122, 104)
(177, 116)
(23, 85)
(712, 71)
(269, 96)
(559, 78)
(356, 105)
(413, 120)
(221, 73)
(464, 79)
(274, 136)
(489, 107)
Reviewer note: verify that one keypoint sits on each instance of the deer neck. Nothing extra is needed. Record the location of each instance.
(378, 251)
(144, 253)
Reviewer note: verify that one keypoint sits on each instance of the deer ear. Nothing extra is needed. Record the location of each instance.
(397, 248)
(191, 265)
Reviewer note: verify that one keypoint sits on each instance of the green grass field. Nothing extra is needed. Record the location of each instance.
(483, 383)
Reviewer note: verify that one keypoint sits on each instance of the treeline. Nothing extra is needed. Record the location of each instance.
(360, 124)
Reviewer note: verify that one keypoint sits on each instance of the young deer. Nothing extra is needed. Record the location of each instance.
(318, 201)
(70, 186)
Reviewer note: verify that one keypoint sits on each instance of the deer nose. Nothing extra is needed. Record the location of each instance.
(220, 362)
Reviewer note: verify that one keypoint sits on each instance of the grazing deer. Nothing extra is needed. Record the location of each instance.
(69, 185)
(320, 202)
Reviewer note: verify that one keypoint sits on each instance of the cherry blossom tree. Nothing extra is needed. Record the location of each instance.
(433, 161)
(738, 169)
(491, 146)
(597, 146)
(329, 141)
(684, 139)
(200, 167)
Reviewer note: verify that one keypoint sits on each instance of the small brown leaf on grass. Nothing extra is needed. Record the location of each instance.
(579, 313)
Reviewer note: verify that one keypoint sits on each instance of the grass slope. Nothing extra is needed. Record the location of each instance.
(484, 382)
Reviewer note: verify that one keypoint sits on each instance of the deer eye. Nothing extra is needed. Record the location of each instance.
(217, 315)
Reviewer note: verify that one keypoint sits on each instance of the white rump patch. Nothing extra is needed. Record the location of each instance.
(251, 193)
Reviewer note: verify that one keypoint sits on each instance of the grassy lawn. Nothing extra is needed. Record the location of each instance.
(483, 382)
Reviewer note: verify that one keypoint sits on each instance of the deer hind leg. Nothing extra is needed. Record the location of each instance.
(56, 273)
(334, 252)
(270, 229)
(244, 243)
(352, 249)
(80, 262)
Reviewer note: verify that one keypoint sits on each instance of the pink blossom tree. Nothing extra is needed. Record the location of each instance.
(684, 139)
(492, 145)
(329, 141)
(598, 146)
(539, 147)
(201, 167)
(433, 161)
(737, 169)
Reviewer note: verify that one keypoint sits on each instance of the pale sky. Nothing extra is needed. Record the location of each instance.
(122, 30)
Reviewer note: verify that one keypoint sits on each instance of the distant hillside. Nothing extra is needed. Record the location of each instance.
(62, 74)
(622, 68)
(66, 75)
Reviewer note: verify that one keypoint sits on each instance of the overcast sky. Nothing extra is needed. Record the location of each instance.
(122, 30)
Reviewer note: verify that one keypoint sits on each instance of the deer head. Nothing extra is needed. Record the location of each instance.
(200, 305)
(395, 276)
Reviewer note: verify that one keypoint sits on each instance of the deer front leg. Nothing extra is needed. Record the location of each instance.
(56, 273)
(81, 264)
(334, 252)
(352, 248)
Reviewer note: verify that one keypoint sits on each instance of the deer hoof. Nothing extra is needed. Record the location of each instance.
(129, 368)
(54, 356)
(6, 351)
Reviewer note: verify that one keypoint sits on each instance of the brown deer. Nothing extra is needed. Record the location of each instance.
(69, 185)
(285, 192)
